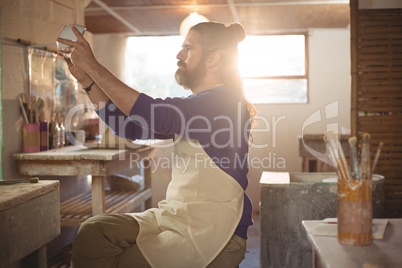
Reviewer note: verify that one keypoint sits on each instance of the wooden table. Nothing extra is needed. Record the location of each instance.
(381, 253)
(99, 163)
(29, 219)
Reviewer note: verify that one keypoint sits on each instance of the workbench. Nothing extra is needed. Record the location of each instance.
(385, 252)
(97, 163)
(29, 219)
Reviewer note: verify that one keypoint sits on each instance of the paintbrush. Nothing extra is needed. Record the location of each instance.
(339, 155)
(40, 108)
(35, 109)
(377, 155)
(32, 108)
(331, 155)
(23, 98)
(365, 171)
(365, 157)
(355, 160)
(25, 104)
(24, 113)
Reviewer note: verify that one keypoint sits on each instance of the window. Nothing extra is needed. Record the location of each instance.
(151, 64)
(274, 67)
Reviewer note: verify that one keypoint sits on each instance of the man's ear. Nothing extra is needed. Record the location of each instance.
(214, 59)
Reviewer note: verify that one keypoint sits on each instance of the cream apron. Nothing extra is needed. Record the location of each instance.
(202, 209)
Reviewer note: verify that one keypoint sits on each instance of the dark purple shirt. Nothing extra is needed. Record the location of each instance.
(217, 118)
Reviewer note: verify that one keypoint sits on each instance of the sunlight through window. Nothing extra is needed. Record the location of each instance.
(273, 67)
(277, 55)
(151, 64)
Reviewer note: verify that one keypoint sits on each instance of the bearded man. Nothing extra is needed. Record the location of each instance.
(204, 219)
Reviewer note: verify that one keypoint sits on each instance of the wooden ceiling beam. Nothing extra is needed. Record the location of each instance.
(296, 3)
(128, 8)
(234, 11)
(230, 3)
(117, 16)
(257, 18)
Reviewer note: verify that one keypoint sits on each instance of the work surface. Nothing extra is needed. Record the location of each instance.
(29, 219)
(78, 161)
(74, 153)
(19, 193)
(381, 253)
(98, 163)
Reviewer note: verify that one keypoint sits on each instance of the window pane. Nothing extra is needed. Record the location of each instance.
(273, 55)
(276, 90)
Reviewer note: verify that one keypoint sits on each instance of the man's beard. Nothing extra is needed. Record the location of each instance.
(190, 79)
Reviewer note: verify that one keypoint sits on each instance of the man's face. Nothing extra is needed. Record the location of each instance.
(191, 71)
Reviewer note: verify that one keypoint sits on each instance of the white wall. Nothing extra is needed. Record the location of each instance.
(109, 50)
(329, 82)
(37, 22)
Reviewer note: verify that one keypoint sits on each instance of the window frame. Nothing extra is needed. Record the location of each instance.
(292, 77)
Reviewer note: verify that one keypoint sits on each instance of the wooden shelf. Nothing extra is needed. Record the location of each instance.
(79, 208)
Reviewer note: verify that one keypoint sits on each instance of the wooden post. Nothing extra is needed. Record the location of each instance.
(354, 63)
(146, 172)
(98, 195)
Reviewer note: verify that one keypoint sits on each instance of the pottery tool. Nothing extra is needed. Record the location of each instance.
(377, 155)
(31, 180)
(355, 160)
(24, 113)
(365, 157)
(339, 155)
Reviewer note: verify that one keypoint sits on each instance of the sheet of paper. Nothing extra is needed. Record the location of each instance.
(329, 227)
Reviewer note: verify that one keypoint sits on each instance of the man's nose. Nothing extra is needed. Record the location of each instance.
(181, 55)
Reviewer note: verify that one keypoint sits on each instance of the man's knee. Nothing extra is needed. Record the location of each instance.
(88, 231)
(121, 230)
(95, 223)
(99, 218)
(88, 224)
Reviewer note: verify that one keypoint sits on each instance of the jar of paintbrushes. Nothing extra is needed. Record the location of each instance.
(355, 211)
(31, 128)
